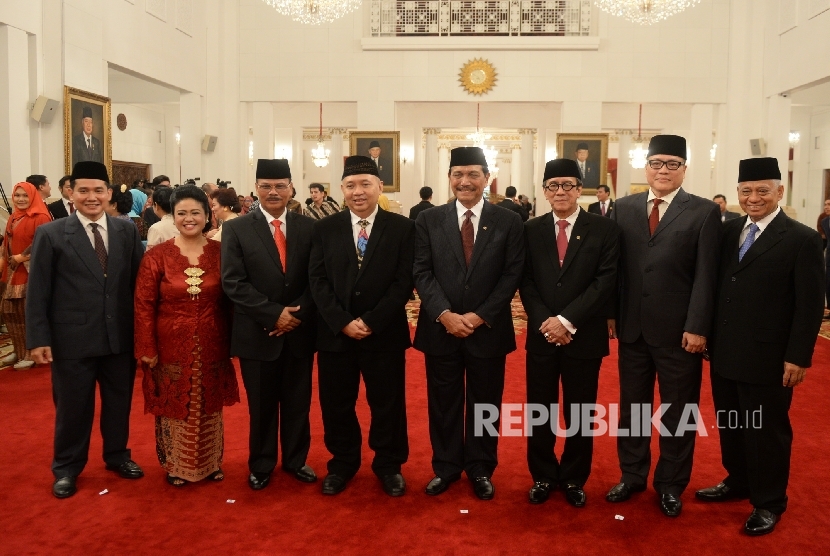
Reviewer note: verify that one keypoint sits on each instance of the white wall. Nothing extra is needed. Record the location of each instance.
(145, 138)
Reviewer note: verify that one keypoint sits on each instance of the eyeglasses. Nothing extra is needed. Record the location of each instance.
(281, 187)
(552, 187)
(656, 164)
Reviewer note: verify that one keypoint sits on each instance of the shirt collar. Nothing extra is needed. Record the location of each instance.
(668, 198)
(370, 218)
(477, 208)
(270, 219)
(764, 222)
(85, 222)
(570, 219)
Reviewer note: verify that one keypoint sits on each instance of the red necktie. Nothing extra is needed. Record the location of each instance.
(279, 239)
(562, 241)
(71, 207)
(654, 217)
(602, 205)
(467, 236)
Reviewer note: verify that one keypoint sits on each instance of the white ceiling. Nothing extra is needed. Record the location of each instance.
(815, 95)
(126, 87)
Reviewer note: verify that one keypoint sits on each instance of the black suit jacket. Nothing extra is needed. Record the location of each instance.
(591, 178)
(593, 208)
(384, 164)
(667, 281)
(71, 305)
(582, 290)
(58, 209)
(486, 288)
(770, 304)
(728, 215)
(377, 292)
(825, 225)
(419, 208)
(81, 153)
(252, 278)
(510, 204)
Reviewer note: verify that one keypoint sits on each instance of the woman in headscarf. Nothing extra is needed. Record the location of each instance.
(29, 212)
(137, 207)
(247, 203)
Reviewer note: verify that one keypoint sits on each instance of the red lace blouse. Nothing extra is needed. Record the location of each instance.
(183, 332)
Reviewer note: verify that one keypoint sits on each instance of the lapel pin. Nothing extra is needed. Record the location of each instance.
(578, 237)
(484, 227)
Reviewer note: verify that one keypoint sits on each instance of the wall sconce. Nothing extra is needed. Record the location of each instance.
(794, 138)
(250, 153)
(178, 138)
(407, 154)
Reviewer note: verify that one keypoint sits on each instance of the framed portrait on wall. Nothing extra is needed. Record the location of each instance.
(86, 128)
(384, 148)
(590, 151)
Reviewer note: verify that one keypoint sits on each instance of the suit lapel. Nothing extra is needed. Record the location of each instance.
(374, 238)
(115, 254)
(677, 206)
(773, 233)
(77, 238)
(347, 244)
(453, 234)
(291, 240)
(263, 230)
(550, 241)
(578, 235)
(489, 218)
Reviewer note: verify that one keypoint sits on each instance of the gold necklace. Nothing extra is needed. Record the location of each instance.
(194, 281)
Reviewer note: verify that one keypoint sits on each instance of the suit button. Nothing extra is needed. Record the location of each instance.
(559, 285)
(728, 300)
(724, 322)
(648, 269)
(107, 296)
(109, 316)
(645, 295)
(287, 284)
(651, 244)
(734, 279)
(466, 287)
(357, 293)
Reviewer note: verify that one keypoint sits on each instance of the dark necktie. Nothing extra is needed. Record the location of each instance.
(100, 250)
(654, 217)
(562, 241)
(602, 206)
(362, 241)
(71, 207)
(467, 236)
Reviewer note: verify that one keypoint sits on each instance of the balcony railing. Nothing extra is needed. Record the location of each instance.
(391, 18)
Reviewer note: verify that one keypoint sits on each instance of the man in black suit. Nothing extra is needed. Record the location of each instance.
(510, 203)
(768, 314)
(587, 168)
(604, 204)
(64, 206)
(79, 313)
(42, 183)
(468, 263)
(361, 279)
(569, 283)
(724, 214)
(668, 265)
(383, 163)
(825, 225)
(426, 198)
(84, 145)
(265, 274)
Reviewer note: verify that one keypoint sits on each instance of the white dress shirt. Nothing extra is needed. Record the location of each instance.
(461, 210)
(762, 225)
(662, 207)
(102, 229)
(273, 222)
(571, 220)
(66, 205)
(356, 226)
(161, 231)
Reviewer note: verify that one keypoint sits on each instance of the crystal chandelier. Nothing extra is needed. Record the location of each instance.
(478, 138)
(795, 137)
(314, 12)
(637, 156)
(320, 155)
(645, 12)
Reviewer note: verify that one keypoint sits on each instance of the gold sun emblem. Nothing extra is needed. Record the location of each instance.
(477, 76)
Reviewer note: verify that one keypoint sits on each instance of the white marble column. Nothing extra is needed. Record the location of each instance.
(525, 183)
(516, 164)
(623, 166)
(779, 110)
(190, 124)
(441, 191)
(431, 159)
(699, 143)
(336, 157)
(15, 145)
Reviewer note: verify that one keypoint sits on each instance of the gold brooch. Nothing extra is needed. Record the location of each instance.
(194, 281)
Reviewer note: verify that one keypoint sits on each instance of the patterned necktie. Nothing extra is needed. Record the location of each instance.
(750, 239)
(467, 236)
(282, 248)
(362, 241)
(71, 207)
(654, 217)
(562, 241)
(100, 250)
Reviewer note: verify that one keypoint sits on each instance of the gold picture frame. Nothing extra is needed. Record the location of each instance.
(76, 105)
(389, 165)
(596, 165)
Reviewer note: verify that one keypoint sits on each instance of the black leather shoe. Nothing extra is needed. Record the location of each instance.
(393, 485)
(484, 488)
(719, 493)
(575, 495)
(334, 484)
(127, 470)
(622, 492)
(539, 492)
(670, 505)
(760, 522)
(64, 487)
(304, 474)
(259, 481)
(438, 485)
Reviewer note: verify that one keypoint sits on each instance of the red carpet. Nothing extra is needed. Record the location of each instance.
(150, 517)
